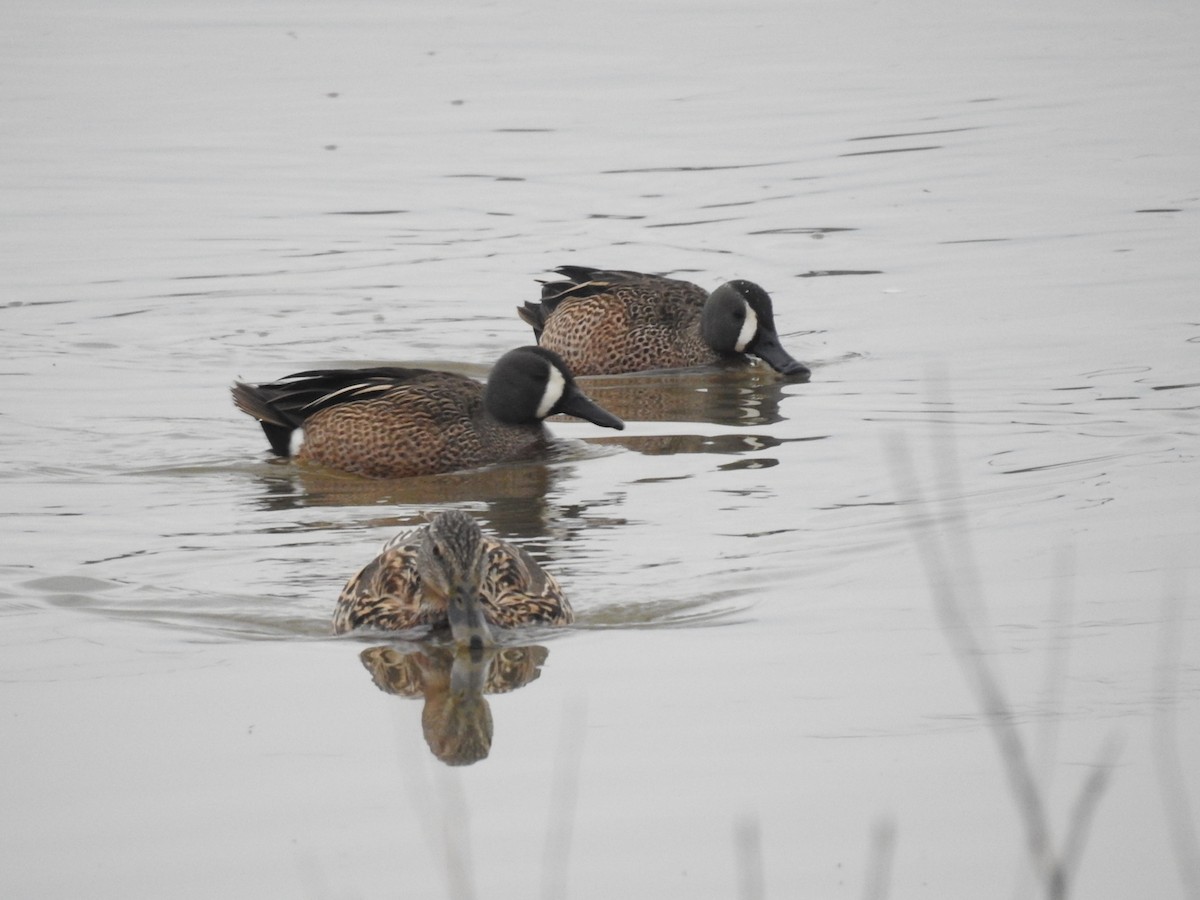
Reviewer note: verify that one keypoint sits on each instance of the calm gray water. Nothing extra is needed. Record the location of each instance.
(979, 227)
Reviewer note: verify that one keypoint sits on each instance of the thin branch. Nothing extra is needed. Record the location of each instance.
(879, 870)
(933, 542)
(1057, 659)
(564, 798)
(1181, 820)
(1084, 810)
(970, 656)
(747, 836)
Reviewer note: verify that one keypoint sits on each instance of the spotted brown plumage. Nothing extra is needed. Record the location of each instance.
(609, 322)
(447, 573)
(390, 422)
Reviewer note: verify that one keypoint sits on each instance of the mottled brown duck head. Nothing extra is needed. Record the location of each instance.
(452, 563)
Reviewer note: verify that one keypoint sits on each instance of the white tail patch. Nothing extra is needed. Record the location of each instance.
(749, 329)
(553, 393)
(295, 441)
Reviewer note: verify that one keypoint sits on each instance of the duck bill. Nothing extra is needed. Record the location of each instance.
(469, 671)
(468, 625)
(575, 403)
(769, 350)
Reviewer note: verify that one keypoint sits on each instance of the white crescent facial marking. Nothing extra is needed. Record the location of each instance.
(553, 392)
(749, 329)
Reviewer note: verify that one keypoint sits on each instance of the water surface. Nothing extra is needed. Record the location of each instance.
(978, 226)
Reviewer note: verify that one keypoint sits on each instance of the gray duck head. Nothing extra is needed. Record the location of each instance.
(739, 317)
(530, 383)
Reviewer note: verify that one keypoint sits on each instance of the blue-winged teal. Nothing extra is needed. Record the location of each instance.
(392, 422)
(608, 322)
(448, 573)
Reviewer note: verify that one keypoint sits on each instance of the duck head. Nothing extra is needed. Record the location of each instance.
(530, 383)
(451, 562)
(738, 317)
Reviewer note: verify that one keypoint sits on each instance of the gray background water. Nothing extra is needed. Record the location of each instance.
(759, 683)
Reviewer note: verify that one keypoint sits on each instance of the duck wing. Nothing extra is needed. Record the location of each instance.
(283, 406)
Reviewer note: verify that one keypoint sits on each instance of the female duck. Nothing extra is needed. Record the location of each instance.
(393, 423)
(608, 322)
(448, 573)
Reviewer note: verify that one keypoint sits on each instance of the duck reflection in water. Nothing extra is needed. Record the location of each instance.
(747, 399)
(511, 499)
(453, 680)
(738, 397)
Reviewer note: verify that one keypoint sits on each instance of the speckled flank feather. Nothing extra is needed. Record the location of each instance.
(396, 423)
(388, 592)
(605, 323)
(414, 430)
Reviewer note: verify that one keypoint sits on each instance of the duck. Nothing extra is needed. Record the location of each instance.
(391, 422)
(448, 573)
(610, 322)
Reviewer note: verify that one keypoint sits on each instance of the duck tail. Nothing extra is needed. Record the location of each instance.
(580, 274)
(582, 281)
(251, 400)
(534, 315)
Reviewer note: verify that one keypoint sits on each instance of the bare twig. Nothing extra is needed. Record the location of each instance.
(943, 539)
(747, 836)
(1181, 821)
(879, 869)
(564, 797)
(456, 835)
(969, 653)
(1085, 807)
(1057, 658)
